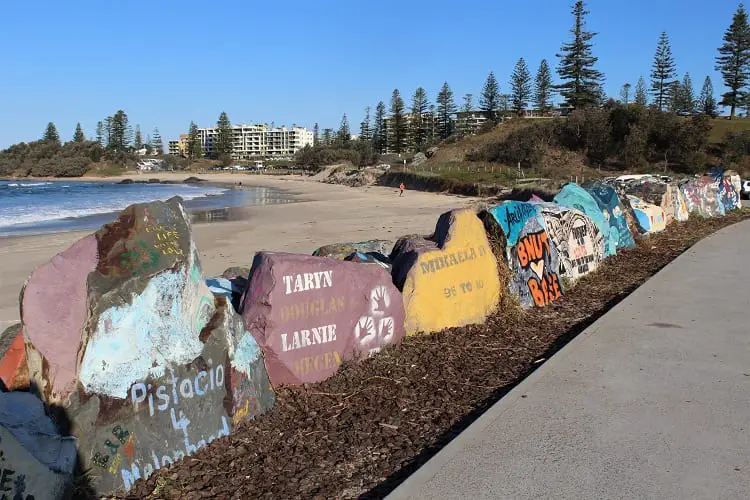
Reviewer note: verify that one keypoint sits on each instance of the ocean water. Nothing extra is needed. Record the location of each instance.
(35, 207)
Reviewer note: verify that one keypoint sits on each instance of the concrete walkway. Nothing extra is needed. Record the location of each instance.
(651, 401)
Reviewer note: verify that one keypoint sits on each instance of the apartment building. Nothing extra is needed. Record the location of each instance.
(259, 141)
(179, 147)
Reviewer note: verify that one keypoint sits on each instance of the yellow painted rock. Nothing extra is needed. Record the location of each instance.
(450, 279)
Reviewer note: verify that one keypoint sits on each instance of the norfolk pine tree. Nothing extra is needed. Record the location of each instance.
(194, 146)
(662, 73)
(543, 88)
(100, 133)
(223, 146)
(641, 97)
(344, 134)
(581, 85)
(466, 109)
(365, 130)
(445, 109)
(156, 142)
(51, 135)
(419, 107)
(733, 61)
(380, 134)
(707, 101)
(78, 135)
(686, 102)
(520, 87)
(398, 122)
(316, 134)
(625, 93)
(138, 140)
(489, 101)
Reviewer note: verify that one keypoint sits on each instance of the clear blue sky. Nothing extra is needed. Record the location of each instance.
(167, 62)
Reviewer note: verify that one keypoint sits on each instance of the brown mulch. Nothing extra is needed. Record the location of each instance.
(363, 431)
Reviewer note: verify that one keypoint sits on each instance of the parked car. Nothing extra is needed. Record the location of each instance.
(745, 189)
(384, 166)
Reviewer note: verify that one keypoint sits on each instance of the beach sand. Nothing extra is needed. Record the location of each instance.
(323, 214)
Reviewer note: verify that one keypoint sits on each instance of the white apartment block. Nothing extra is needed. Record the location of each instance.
(259, 141)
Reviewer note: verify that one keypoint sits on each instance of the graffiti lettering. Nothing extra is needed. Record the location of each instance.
(452, 259)
(143, 258)
(308, 281)
(19, 485)
(129, 477)
(544, 291)
(520, 213)
(326, 361)
(305, 338)
(532, 247)
(465, 287)
(312, 309)
(187, 388)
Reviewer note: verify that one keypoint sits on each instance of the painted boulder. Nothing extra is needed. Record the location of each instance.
(673, 204)
(650, 217)
(36, 461)
(574, 196)
(14, 370)
(609, 203)
(311, 313)
(450, 279)
(533, 260)
(123, 332)
(702, 197)
(576, 237)
(371, 258)
(729, 195)
(341, 250)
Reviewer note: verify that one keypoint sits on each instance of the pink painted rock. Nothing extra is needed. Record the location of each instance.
(311, 313)
(122, 331)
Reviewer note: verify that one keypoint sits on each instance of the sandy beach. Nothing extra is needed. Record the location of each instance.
(321, 214)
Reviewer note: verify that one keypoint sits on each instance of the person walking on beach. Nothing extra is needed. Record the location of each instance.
(401, 187)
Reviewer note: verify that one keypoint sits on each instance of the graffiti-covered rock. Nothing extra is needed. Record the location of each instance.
(650, 217)
(311, 313)
(532, 258)
(35, 460)
(576, 237)
(371, 258)
(148, 364)
(14, 370)
(702, 197)
(450, 279)
(341, 250)
(611, 206)
(729, 195)
(673, 204)
(574, 196)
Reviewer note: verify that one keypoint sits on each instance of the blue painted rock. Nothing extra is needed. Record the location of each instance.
(123, 332)
(611, 206)
(37, 462)
(311, 313)
(574, 196)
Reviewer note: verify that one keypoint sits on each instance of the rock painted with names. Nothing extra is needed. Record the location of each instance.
(450, 279)
(309, 314)
(702, 197)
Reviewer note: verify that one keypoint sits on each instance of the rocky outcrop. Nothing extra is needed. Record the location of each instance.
(342, 250)
(309, 314)
(123, 332)
(450, 279)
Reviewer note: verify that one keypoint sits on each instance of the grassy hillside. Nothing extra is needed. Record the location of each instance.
(721, 126)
